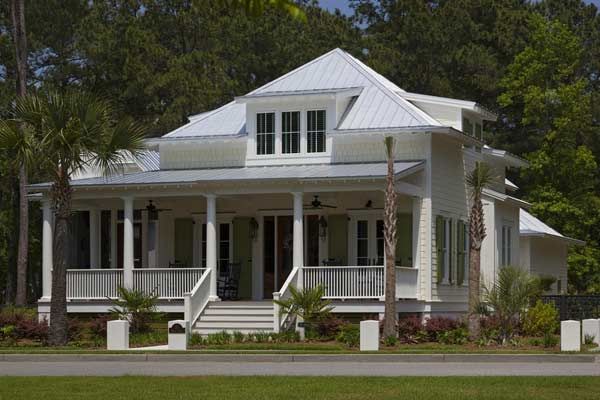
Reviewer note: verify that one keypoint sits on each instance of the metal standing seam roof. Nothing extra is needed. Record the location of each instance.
(148, 160)
(379, 105)
(532, 226)
(264, 173)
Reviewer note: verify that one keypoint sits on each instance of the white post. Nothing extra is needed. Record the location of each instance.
(113, 238)
(47, 232)
(298, 249)
(211, 243)
(94, 238)
(128, 242)
(197, 242)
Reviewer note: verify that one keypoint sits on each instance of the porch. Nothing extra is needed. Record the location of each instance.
(179, 243)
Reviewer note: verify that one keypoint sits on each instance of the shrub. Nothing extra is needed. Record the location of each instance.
(436, 326)
(290, 336)
(411, 330)
(588, 340)
(391, 341)
(75, 328)
(541, 319)
(454, 336)
(307, 304)
(238, 337)
(349, 335)
(196, 339)
(98, 326)
(489, 331)
(329, 327)
(550, 340)
(8, 334)
(137, 307)
(25, 324)
(262, 337)
(219, 338)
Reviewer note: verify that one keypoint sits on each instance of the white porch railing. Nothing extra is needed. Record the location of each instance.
(167, 283)
(360, 282)
(195, 301)
(347, 282)
(279, 320)
(93, 283)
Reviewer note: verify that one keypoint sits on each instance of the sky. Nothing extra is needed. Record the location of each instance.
(344, 6)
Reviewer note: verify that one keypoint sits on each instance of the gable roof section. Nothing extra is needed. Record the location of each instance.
(532, 226)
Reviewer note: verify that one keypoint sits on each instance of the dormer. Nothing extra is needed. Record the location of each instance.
(285, 126)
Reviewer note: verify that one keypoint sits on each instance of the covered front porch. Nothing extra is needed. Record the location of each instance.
(174, 240)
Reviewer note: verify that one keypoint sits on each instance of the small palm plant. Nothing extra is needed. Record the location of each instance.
(307, 304)
(477, 180)
(509, 297)
(137, 307)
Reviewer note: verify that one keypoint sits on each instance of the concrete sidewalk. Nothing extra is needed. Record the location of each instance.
(303, 358)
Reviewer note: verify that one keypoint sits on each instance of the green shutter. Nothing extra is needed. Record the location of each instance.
(439, 239)
(460, 251)
(451, 254)
(404, 243)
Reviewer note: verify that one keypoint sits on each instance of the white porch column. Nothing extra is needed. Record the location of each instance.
(197, 242)
(113, 238)
(211, 243)
(128, 242)
(47, 232)
(298, 249)
(94, 238)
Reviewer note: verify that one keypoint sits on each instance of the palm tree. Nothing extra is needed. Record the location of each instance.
(389, 238)
(477, 180)
(63, 133)
(20, 39)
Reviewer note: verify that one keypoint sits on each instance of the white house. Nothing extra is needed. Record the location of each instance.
(286, 184)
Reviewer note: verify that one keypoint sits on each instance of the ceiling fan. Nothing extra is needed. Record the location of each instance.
(316, 204)
(153, 211)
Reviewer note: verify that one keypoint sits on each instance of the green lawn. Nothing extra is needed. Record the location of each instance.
(288, 388)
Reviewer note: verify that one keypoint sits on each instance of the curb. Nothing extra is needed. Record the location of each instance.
(306, 358)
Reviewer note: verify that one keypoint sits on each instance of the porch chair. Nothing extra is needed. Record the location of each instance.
(232, 283)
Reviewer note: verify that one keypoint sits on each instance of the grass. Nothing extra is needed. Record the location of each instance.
(290, 388)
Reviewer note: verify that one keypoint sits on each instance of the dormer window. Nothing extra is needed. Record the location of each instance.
(265, 133)
(315, 131)
(290, 132)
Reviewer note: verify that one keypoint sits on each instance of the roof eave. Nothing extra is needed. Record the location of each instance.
(510, 159)
(568, 240)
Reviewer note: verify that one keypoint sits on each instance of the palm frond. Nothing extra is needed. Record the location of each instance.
(18, 139)
(480, 177)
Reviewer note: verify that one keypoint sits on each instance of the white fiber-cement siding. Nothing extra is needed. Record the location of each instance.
(449, 199)
(545, 257)
(191, 155)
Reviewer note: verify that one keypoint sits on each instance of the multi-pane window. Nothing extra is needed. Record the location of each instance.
(506, 244)
(224, 248)
(315, 131)
(379, 229)
(362, 242)
(290, 132)
(265, 133)
(462, 252)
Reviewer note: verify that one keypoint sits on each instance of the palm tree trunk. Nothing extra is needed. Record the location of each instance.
(61, 198)
(20, 39)
(474, 289)
(390, 216)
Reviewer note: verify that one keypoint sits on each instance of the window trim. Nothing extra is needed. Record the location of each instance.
(273, 134)
(298, 132)
(316, 132)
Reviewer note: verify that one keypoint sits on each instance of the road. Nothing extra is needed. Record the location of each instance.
(195, 368)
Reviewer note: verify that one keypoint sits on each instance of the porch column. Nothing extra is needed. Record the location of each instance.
(197, 242)
(128, 242)
(94, 238)
(145, 239)
(211, 243)
(298, 249)
(113, 238)
(47, 233)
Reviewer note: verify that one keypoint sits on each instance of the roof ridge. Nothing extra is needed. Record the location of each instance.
(368, 72)
(297, 69)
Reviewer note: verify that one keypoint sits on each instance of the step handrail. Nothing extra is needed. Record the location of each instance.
(279, 320)
(196, 301)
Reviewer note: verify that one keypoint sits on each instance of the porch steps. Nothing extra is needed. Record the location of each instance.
(231, 316)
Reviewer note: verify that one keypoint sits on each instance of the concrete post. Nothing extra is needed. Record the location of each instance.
(117, 335)
(211, 243)
(369, 335)
(570, 336)
(591, 328)
(128, 242)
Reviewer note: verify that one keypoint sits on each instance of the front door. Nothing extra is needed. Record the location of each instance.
(278, 243)
(368, 241)
(137, 245)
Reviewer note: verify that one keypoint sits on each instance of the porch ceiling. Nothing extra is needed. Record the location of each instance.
(297, 173)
